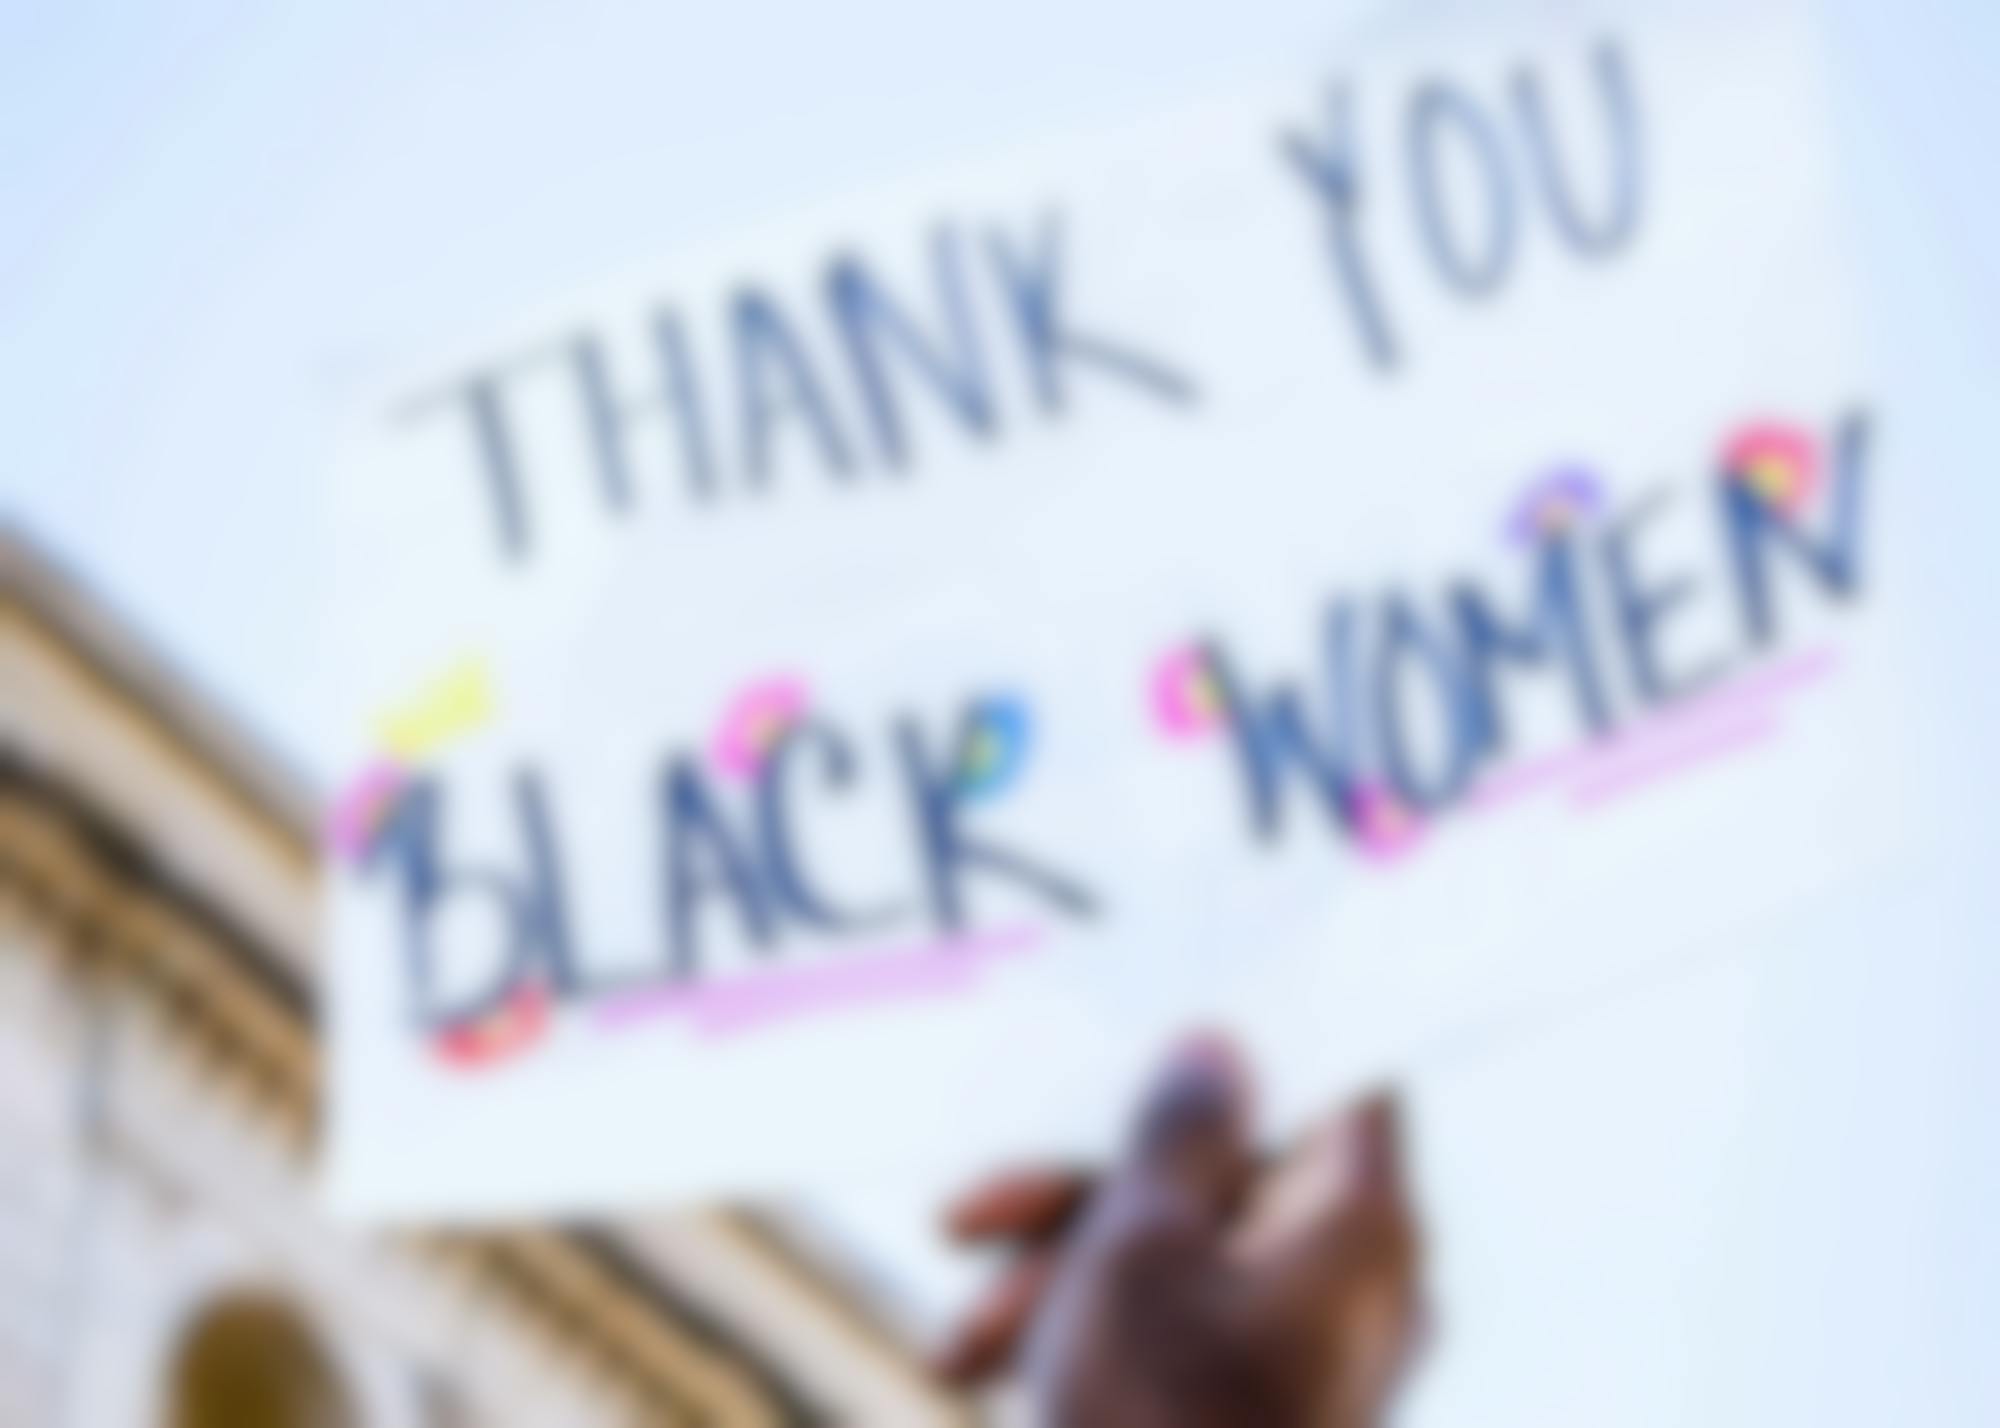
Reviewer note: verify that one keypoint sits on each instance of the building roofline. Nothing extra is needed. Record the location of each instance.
(70, 606)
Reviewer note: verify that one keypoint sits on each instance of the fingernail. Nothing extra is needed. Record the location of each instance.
(1206, 1070)
(1211, 1053)
(1203, 1084)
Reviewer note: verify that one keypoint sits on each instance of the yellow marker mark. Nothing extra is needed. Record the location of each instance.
(457, 703)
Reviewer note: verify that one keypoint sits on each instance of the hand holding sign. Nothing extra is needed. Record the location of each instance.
(1191, 1287)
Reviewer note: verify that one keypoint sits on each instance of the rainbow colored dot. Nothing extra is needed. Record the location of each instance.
(452, 706)
(1185, 695)
(516, 1024)
(1558, 502)
(1778, 461)
(999, 731)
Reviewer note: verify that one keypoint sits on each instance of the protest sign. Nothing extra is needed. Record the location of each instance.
(1352, 561)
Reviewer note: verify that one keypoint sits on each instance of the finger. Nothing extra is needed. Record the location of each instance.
(989, 1337)
(1137, 1296)
(1193, 1133)
(1029, 1206)
(1153, 1232)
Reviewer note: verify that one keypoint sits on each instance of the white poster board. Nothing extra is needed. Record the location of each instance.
(1354, 562)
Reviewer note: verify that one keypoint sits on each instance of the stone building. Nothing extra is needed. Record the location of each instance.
(162, 1259)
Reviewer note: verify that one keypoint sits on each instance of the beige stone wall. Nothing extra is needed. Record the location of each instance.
(144, 1179)
(39, 1175)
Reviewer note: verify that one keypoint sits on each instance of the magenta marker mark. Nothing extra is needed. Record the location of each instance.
(1529, 775)
(1186, 702)
(1385, 830)
(1632, 774)
(1780, 677)
(359, 810)
(452, 707)
(1748, 694)
(755, 720)
(745, 1003)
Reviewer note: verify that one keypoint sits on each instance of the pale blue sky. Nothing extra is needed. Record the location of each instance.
(217, 214)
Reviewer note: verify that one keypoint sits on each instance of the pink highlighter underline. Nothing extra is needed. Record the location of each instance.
(1594, 789)
(353, 815)
(1598, 762)
(721, 1008)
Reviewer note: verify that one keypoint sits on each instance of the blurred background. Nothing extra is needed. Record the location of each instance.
(1757, 1192)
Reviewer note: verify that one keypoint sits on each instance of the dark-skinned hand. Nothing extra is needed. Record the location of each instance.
(1193, 1286)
